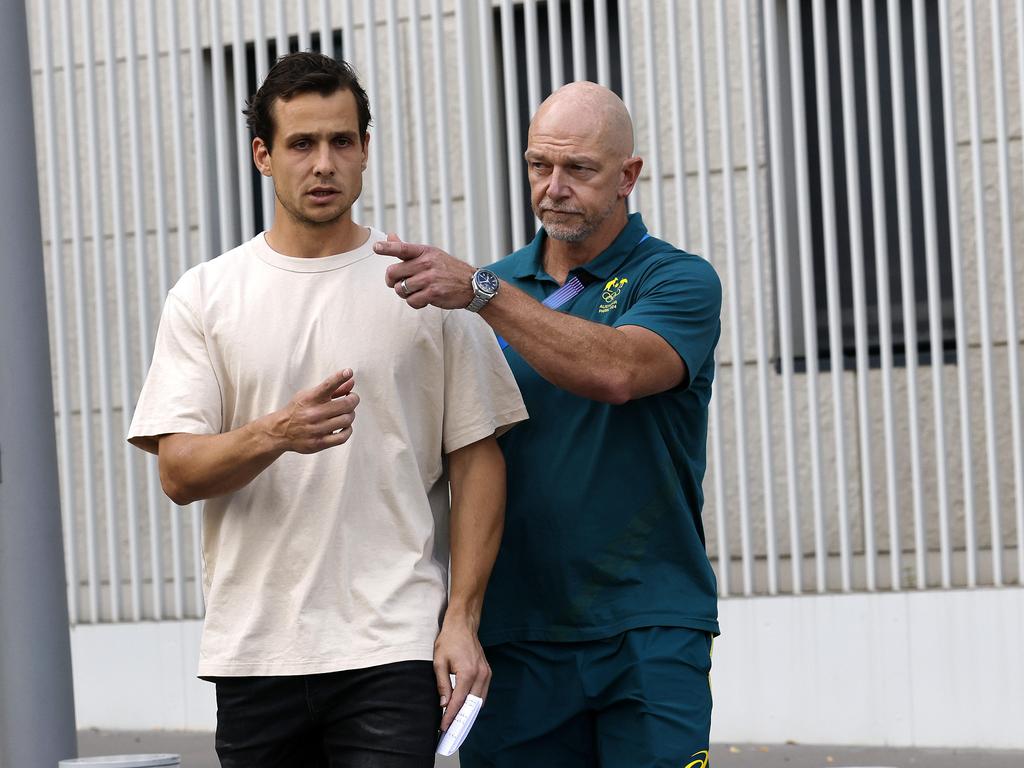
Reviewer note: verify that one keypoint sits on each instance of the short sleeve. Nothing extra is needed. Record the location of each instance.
(680, 299)
(481, 397)
(181, 392)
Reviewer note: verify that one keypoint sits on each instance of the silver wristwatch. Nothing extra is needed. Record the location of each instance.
(485, 287)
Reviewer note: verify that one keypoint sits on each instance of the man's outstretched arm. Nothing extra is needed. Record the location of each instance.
(194, 467)
(477, 476)
(612, 365)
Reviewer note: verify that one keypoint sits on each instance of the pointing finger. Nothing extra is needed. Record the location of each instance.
(399, 250)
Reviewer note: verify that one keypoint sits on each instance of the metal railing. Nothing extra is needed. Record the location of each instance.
(863, 212)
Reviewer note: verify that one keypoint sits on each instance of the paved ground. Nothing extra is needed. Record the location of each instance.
(196, 750)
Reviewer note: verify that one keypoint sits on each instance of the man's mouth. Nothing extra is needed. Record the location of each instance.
(323, 193)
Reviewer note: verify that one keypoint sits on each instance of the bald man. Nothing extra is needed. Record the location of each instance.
(599, 615)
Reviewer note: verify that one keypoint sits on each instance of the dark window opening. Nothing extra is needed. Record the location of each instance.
(915, 124)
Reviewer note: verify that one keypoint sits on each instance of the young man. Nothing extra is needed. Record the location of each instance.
(599, 616)
(328, 629)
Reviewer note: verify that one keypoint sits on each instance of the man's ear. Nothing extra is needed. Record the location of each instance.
(261, 157)
(631, 168)
(366, 149)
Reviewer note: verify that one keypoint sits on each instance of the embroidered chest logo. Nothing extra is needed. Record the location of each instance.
(701, 761)
(610, 294)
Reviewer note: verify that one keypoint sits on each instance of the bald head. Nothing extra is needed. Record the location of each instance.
(588, 111)
(579, 159)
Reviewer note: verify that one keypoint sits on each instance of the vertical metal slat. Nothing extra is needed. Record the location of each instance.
(981, 250)
(735, 314)
(512, 137)
(881, 246)
(579, 39)
(1009, 275)
(604, 76)
(959, 297)
(373, 86)
(163, 272)
(142, 292)
(397, 121)
(707, 249)
(100, 299)
(780, 209)
(654, 148)
(243, 148)
(924, 138)
(492, 156)
(833, 307)
(57, 305)
(554, 44)
(857, 255)
(81, 319)
(807, 284)
(441, 109)
(419, 123)
(533, 94)
(678, 129)
(760, 319)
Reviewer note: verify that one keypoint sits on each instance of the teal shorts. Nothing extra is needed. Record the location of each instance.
(641, 698)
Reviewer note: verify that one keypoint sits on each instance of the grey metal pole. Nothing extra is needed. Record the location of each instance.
(37, 713)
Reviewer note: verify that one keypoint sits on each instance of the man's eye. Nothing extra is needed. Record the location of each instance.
(301, 144)
(342, 142)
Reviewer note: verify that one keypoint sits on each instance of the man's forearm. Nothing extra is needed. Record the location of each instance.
(194, 467)
(586, 358)
(477, 476)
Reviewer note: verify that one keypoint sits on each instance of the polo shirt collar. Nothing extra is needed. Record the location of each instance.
(607, 262)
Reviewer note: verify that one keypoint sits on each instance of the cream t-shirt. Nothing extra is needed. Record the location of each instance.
(335, 560)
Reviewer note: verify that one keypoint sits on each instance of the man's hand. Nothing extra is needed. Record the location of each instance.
(317, 418)
(457, 651)
(427, 275)
(194, 467)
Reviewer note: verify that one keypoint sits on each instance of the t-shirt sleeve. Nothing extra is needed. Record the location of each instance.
(680, 299)
(181, 393)
(481, 397)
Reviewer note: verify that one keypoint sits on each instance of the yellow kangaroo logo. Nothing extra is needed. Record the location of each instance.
(700, 762)
(613, 287)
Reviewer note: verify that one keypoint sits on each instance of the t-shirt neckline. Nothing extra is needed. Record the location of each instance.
(277, 260)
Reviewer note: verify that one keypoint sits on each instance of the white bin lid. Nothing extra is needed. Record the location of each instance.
(122, 761)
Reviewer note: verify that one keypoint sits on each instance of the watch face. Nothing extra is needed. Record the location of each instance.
(486, 281)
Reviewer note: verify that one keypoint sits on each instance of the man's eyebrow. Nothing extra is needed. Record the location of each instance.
(298, 136)
(532, 154)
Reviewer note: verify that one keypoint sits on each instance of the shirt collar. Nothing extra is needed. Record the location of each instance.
(531, 263)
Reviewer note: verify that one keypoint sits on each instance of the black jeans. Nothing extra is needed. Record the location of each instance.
(379, 717)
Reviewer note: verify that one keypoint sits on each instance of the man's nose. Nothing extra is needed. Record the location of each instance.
(324, 165)
(557, 188)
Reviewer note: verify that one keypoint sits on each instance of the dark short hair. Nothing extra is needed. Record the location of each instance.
(303, 72)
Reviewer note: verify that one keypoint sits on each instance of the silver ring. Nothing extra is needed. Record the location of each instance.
(404, 285)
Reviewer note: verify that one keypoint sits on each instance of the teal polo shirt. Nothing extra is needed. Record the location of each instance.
(603, 527)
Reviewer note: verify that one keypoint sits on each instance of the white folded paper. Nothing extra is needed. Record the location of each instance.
(459, 729)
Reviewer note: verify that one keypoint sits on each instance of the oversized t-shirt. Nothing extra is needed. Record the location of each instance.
(334, 560)
(603, 528)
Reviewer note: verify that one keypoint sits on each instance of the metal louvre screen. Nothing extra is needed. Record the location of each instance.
(853, 169)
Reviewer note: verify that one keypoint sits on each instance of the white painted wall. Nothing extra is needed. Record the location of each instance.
(138, 676)
(929, 669)
(942, 669)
